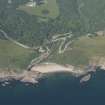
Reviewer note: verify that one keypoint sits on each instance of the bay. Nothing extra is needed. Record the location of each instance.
(57, 89)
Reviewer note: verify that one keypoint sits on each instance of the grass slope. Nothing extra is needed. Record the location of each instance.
(13, 56)
(83, 50)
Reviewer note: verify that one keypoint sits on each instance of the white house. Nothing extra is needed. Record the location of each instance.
(31, 3)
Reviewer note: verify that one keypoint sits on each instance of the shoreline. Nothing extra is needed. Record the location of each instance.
(40, 70)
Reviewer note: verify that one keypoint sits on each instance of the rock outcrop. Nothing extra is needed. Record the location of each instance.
(38, 71)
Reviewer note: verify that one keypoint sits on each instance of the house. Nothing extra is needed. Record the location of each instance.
(31, 3)
(34, 3)
(40, 2)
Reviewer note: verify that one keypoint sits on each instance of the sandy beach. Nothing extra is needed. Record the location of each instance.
(38, 71)
(52, 67)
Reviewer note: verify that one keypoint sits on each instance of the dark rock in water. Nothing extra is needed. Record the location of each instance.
(3, 84)
(85, 78)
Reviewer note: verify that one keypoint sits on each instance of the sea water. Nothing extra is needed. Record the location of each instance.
(57, 89)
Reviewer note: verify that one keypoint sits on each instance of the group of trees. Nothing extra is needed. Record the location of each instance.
(28, 30)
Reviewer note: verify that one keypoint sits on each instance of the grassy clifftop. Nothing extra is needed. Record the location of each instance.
(13, 56)
(83, 49)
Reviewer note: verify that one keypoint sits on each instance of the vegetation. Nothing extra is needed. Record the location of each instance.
(82, 51)
(92, 13)
(34, 29)
(50, 6)
(13, 56)
(34, 26)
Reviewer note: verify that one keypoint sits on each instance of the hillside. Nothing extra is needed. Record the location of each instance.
(55, 31)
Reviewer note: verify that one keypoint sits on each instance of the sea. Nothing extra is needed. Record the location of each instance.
(56, 89)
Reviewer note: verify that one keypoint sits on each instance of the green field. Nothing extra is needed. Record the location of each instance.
(83, 50)
(13, 56)
(51, 7)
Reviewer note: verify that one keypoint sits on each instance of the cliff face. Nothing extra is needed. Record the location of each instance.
(94, 63)
(40, 70)
(25, 76)
(98, 62)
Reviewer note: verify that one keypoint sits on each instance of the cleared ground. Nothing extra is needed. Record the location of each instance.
(51, 7)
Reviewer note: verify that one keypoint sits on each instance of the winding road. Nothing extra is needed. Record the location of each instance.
(44, 55)
(14, 41)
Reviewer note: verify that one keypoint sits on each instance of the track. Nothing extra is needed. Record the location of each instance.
(47, 51)
(14, 41)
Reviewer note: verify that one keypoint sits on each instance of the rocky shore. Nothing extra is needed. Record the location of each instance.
(38, 71)
(25, 76)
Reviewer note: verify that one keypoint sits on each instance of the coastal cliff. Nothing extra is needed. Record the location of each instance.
(38, 71)
(98, 62)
